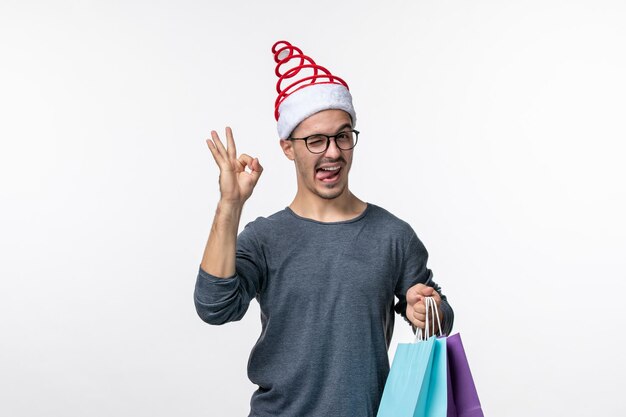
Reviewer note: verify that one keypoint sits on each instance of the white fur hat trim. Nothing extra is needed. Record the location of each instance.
(310, 100)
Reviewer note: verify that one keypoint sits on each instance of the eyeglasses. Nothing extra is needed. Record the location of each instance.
(319, 143)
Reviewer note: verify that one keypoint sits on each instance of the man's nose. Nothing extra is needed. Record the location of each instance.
(333, 150)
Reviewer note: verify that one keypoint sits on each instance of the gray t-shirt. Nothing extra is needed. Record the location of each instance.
(326, 293)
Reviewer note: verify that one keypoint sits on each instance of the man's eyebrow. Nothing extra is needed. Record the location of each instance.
(342, 128)
(347, 125)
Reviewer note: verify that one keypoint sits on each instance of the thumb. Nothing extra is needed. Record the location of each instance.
(427, 291)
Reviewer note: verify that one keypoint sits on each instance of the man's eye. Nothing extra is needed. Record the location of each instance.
(316, 140)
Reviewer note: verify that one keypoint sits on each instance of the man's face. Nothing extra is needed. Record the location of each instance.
(326, 174)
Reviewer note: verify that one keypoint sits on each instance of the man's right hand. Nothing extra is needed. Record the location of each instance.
(236, 184)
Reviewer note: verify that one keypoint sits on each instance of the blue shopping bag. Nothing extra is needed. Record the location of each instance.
(436, 404)
(408, 380)
(417, 382)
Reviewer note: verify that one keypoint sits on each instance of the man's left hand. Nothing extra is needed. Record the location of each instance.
(416, 308)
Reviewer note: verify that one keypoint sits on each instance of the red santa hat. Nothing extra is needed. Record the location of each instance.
(305, 88)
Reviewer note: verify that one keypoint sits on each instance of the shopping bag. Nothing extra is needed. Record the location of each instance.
(451, 392)
(436, 404)
(408, 379)
(417, 381)
(462, 396)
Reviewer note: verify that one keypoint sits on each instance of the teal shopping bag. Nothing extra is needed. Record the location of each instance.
(417, 385)
(408, 379)
(436, 404)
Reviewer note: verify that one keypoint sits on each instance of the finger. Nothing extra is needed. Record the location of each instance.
(419, 319)
(257, 170)
(230, 142)
(420, 324)
(410, 315)
(211, 145)
(420, 309)
(245, 159)
(419, 316)
(218, 152)
(214, 151)
(416, 318)
(218, 144)
(256, 166)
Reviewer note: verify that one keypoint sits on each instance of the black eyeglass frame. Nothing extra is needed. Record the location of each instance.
(328, 138)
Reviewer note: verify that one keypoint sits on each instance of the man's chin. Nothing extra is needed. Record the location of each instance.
(331, 193)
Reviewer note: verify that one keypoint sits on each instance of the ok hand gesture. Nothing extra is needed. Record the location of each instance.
(236, 184)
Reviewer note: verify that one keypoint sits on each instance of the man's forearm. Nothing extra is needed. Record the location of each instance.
(219, 253)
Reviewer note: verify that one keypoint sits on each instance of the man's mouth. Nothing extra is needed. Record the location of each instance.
(328, 173)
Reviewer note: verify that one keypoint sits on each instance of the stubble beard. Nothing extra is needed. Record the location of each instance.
(330, 191)
(330, 195)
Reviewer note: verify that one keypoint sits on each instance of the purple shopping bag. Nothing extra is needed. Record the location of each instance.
(462, 396)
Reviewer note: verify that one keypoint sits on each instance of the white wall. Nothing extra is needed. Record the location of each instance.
(496, 128)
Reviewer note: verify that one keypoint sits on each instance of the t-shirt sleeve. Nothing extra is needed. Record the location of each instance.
(414, 270)
(220, 300)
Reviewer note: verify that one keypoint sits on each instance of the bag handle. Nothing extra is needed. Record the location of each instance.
(431, 308)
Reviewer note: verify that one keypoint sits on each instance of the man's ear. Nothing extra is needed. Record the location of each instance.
(287, 146)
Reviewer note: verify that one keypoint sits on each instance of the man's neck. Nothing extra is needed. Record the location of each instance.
(345, 207)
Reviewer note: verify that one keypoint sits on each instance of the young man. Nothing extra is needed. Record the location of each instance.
(324, 270)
